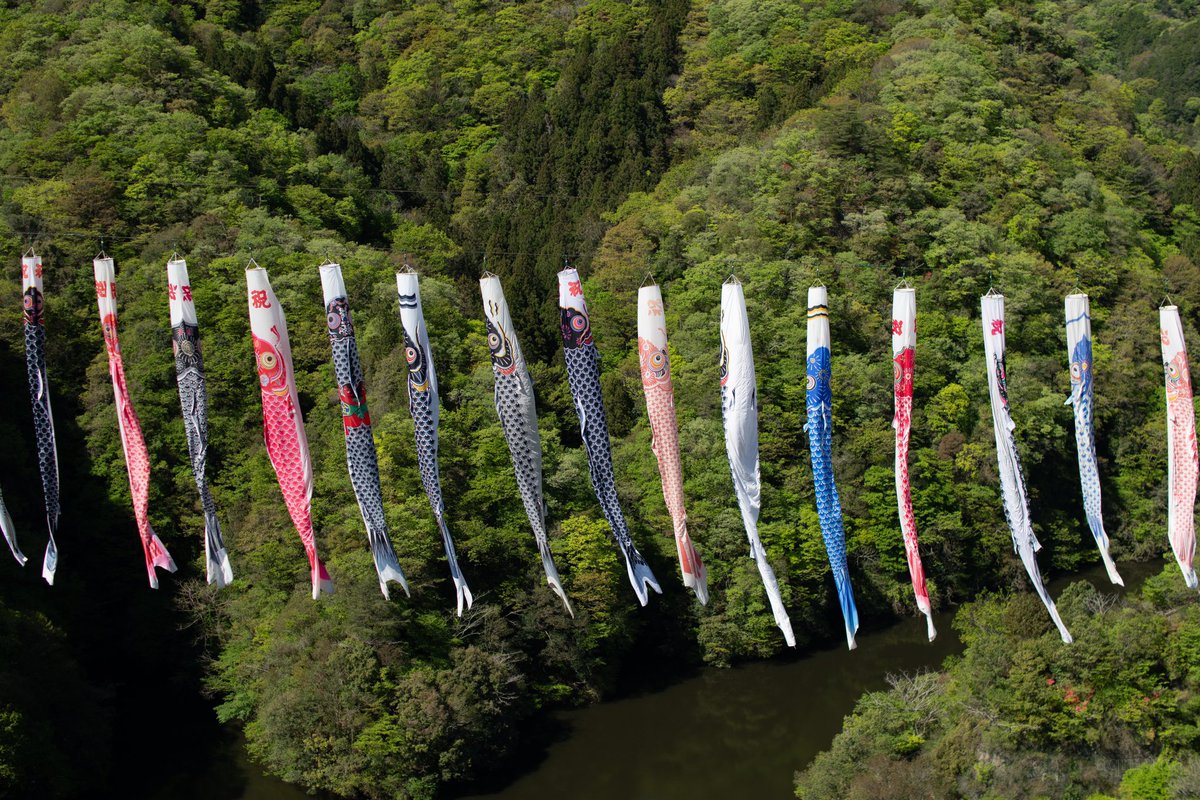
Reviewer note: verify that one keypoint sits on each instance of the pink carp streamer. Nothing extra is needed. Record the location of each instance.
(904, 344)
(660, 409)
(1181, 443)
(137, 459)
(283, 424)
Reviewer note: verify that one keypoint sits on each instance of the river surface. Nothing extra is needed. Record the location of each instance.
(721, 733)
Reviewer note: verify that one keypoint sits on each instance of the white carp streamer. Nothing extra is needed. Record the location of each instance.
(904, 345)
(739, 409)
(1181, 443)
(1012, 482)
(660, 409)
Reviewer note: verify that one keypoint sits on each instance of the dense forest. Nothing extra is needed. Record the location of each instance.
(1019, 716)
(1029, 147)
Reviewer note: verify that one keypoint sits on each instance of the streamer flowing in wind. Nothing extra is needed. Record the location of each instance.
(361, 458)
(1012, 482)
(1079, 350)
(283, 423)
(137, 459)
(660, 409)
(904, 343)
(193, 399)
(739, 407)
(1181, 443)
(423, 403)
(10, 533)
(819, 405)
(39, 393)
(518, 418)
(583, 375)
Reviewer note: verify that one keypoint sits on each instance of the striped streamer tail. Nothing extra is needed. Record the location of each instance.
(219, 570)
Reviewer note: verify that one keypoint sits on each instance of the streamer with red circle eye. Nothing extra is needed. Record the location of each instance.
(1012, 481)
(1183, 469)
(137, 458)
(1079, 348)
(664, 431)
(283, 422)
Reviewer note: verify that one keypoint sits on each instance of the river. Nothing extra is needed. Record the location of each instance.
(739, 732)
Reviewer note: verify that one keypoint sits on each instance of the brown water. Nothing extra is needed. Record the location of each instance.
(739, 732)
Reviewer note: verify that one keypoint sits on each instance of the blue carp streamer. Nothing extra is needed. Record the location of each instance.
(819, 405)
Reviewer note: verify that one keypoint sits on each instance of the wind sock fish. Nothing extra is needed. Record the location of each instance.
(518, 418)
(819, 405)
(1012, 482)
(361, 458)
(193, 400)
(904, 344)
(283, 423)
(137, 459)
(39, 393)
(423, 403)
(1079, 349)
(739, 408)
(1181, 443)
(10, 533)
(583, 376)
(664, 432)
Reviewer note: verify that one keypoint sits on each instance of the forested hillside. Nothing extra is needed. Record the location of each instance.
(1027, 147)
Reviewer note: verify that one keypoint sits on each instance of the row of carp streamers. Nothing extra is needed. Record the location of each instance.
(287, 443)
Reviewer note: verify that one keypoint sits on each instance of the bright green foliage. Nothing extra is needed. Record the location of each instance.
(1019, 715)
(1033, 148)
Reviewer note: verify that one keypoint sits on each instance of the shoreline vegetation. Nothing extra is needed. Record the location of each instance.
(1018, 715)
(1030, 147)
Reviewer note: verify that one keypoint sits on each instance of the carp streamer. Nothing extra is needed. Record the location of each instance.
(193, 399)
(583, 376)
(39, 394)
(423, 404)
(664, 432)
(1012, 482)
(819, 405)
(283, 424)
(137, 459)
(361, 458)
(518, 418)
(1079, 349)
(739, 398)
(1181, 443)
(904, 344)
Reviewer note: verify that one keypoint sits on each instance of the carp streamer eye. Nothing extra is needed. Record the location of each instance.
(657, 360)
(578, 322)
(493, 342)
(334, 319)
(28, 302)
(1077, 370)
(267, 361)
(812, 383)
(896, 371)
(410, 354)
